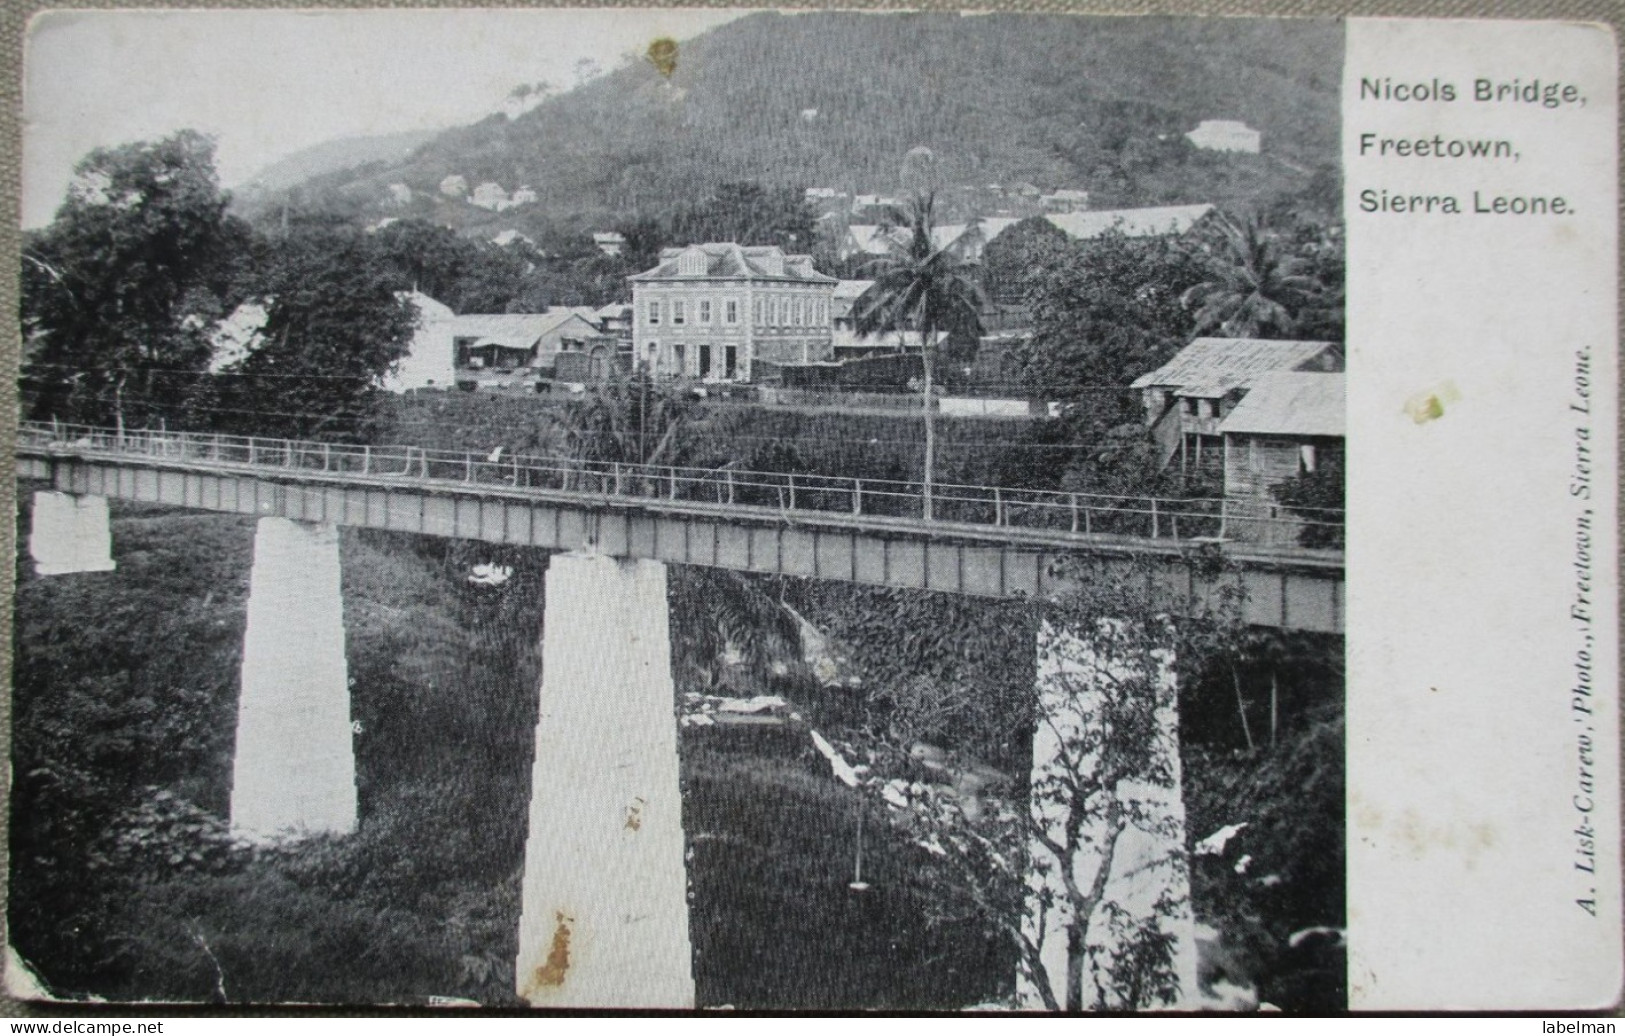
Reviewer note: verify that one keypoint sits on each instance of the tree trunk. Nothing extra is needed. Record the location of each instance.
(930, 426)
(1077, 954)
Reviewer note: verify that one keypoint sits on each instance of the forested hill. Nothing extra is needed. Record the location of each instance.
(836, 99)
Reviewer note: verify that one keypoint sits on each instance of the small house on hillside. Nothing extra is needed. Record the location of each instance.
(1187, 397)
(1225, 135)
(1289, 423)
(1065, 200)
(609, 242)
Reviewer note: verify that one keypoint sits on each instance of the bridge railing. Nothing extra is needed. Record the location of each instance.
(1161, 518)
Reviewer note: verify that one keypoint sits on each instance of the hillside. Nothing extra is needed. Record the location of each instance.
(836, 99)
(335, 156)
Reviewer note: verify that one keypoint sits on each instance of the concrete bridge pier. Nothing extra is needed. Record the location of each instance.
(1092, 685)
(294, 769)
(70, 534)
(604, 919)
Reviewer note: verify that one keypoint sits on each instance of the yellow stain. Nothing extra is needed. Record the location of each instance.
(662, 54)
(1429, 405)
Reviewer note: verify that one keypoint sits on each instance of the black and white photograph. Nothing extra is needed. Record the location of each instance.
(683, 509)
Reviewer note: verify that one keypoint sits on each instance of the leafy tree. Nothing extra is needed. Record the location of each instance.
(928, 289)
(1104, 315)
(1316, 497)
(469, 275)
(1102, 712)
(1254, 286)
(1012, 259)
(626, 419)
(119, 291)
(334, 326)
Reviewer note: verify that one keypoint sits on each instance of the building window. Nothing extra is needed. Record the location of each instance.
(798, 312)
(756, 312)
(1306, 459)
(677, 311)
(1191, 406)
(730, 311)
(654, 312)
(705, 311)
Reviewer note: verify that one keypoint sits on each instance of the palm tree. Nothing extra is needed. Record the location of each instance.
(1253, 288)
(930, 288)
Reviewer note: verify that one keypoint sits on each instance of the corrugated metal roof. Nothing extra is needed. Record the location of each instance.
(515, 330)
(1229, 362)
(1166, 219)
(1295, 403)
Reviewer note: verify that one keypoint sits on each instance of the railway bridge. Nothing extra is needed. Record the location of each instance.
(604, 896)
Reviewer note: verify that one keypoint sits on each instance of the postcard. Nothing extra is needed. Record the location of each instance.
(813, 510)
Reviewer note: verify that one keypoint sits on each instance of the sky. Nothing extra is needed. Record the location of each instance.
(266, 84)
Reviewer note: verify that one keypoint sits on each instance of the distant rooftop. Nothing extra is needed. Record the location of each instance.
(1165, 219)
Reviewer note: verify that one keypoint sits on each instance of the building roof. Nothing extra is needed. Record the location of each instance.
(848, 291)
(729, 261)
(872, 239)
(1217, 365)
(1165, 219)
(517, 330)
(1296, 403)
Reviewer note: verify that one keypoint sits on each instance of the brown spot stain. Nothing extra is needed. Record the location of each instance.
(550, 973)
(662, 54)
(634, 815)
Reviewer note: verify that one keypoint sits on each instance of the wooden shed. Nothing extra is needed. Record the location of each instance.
(1288, 423)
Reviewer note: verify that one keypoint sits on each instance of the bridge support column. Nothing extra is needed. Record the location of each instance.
(70, 534)
(604, 920)
(294, 770)
(1108, 713)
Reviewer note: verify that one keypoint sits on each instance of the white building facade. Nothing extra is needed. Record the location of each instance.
(726, 312)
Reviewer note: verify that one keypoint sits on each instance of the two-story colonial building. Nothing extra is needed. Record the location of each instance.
(726, 312)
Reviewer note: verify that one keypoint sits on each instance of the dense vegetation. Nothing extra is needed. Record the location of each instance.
(1095, 103)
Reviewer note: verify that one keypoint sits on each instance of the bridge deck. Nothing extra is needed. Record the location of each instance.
(1285, 586)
